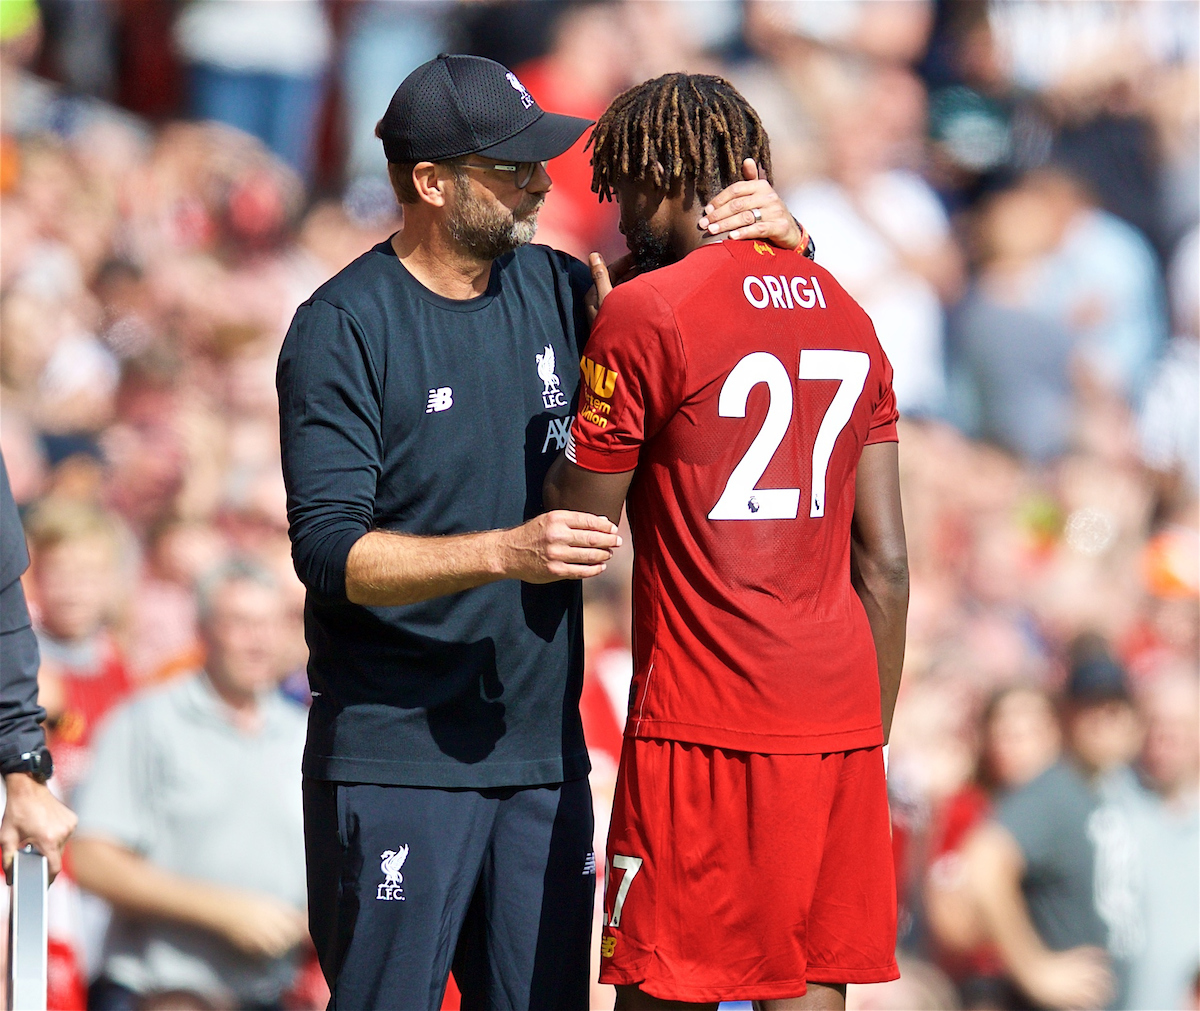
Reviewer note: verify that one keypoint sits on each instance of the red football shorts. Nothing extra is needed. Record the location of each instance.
(740, 876)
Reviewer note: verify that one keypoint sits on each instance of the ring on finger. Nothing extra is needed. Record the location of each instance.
(757, 214)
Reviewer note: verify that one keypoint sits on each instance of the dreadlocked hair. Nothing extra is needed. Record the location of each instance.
(675, 129)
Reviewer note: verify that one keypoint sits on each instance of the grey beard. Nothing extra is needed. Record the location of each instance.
(485, 235)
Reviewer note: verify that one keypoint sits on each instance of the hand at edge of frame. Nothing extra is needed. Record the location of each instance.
(32, 814)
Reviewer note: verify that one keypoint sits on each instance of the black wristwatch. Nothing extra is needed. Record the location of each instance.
(807, 248)
(36, 763)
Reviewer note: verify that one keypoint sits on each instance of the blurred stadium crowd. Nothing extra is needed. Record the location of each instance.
(1009, 187)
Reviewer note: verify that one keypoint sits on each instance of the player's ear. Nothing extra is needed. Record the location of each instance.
(431, 182)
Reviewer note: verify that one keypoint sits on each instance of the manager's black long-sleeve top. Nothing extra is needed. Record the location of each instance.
(405, 411)
(20, 715)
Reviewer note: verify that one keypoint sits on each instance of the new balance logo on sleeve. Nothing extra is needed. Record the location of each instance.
(441, 399)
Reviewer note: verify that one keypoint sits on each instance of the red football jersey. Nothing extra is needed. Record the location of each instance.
(742, 383)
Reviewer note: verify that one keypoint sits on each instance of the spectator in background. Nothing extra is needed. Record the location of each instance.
(259, 65)
(191, 821)
(1101, 280)
(80, 45)
(882, 231)
(588, 64)
(163, 628)
(385, 42)
(1067, 300)
(1091, 64)
(1169, 426)
(981, 127)
(1020, 741)
(1009, 364)
(1050, 874)
(75, 575)
(1165, 823)
(890, 32)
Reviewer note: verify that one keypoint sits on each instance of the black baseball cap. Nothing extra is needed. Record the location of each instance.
(459, 105)
(1097, 678)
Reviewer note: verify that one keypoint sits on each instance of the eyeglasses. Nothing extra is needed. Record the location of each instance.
(523, 172)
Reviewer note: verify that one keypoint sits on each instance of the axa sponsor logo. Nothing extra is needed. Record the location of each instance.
(763, 248)
(519, 88)
(557, 431)
(440, 399)
(551, 385)
(392, 887)
(782, 292)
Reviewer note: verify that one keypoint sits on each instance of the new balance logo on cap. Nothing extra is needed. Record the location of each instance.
(441, 399)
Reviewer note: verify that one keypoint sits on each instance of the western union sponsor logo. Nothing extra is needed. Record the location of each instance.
(603, 381)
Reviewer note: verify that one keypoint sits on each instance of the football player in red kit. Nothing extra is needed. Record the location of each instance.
(741, 400)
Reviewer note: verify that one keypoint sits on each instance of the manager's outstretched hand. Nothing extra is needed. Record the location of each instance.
(732, 212)
(32, 814)
(560, 544)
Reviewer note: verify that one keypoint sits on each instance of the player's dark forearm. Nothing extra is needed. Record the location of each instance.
(879, 565)
(569, 486)
(881, 582)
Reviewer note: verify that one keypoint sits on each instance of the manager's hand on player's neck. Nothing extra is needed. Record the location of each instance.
(457, 215)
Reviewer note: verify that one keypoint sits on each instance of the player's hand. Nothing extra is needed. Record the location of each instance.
(260, 925)
(32, 814)
(1077, 978)
(606, 278)
(732, 212)
(560, 544)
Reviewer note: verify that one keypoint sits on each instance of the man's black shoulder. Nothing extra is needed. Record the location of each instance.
(534, 256)
(351, 287)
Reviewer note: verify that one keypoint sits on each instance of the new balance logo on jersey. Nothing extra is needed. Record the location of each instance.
(589, 863)
(558, 429)
(782, 293)
(392, 888)
(441, 399)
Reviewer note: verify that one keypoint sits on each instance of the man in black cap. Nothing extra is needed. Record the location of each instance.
(424, 392)
(32, 814)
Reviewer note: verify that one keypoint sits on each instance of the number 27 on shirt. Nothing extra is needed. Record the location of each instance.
(741, 500)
